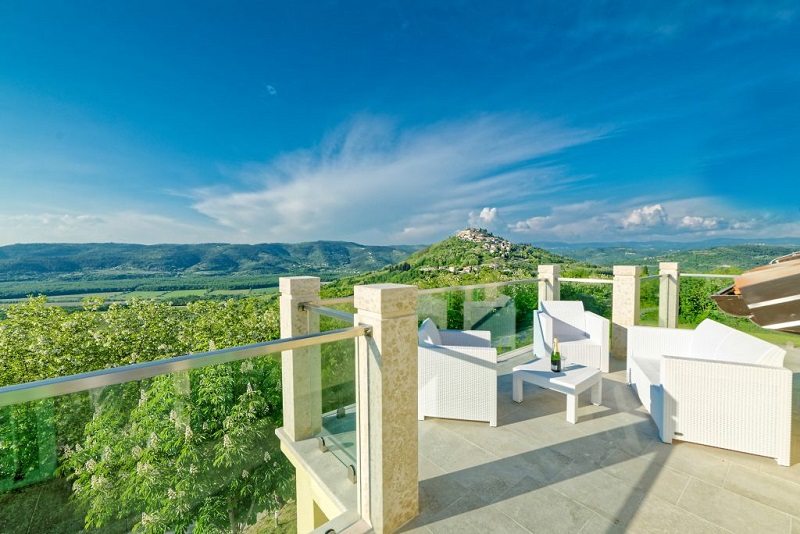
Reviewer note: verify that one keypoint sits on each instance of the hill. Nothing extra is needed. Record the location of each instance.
(733, 258)
(57, 269)
(471, 256)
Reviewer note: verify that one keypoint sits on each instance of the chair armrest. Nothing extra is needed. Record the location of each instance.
(466, 338)
(598, 329)
(737, 406)
(652, 342)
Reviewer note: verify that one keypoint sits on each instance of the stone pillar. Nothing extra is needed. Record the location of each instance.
(668, 292)
(388, 453)
(301, 368)
(624, 306)
(549, 287)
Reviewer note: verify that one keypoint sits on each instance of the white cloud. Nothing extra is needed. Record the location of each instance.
(369, 181)
(486, 217)
(699, 223)
(633, 220)
(646, 216)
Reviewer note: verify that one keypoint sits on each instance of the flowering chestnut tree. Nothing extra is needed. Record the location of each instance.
(189, 449)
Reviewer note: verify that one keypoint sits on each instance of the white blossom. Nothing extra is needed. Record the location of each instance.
(187, 435)
(171, 495)
(226, 441)
(192, 469)
(245, 473)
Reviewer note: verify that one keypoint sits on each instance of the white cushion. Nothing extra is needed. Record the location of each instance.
(428, 333)
(715, 341)
(569, 319)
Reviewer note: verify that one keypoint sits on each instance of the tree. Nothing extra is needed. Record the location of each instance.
(190, 448)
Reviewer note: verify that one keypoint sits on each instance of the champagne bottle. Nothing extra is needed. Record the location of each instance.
(555, 358)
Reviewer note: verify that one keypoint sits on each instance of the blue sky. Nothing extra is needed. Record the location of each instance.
(398, 122)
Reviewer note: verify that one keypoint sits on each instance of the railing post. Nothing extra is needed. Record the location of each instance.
(624, 306)
(549, 286)
(388, 454)
(301, 368)
(668, 294)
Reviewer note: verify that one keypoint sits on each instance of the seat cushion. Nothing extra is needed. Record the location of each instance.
(715, 341)
(428, 333)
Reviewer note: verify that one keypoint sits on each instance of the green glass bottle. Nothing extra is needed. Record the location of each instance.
(555, 358)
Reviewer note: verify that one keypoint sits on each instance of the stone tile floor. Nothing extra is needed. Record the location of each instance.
(609, 473)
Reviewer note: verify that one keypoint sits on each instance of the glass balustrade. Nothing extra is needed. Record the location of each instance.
(504, 309)
(648, 300)
(187, 449)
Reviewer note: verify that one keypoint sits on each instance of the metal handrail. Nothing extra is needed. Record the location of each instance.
(588, 280)
(692, 275)
(650, 277)
(63, 385)
(328, 312)
(435, 290)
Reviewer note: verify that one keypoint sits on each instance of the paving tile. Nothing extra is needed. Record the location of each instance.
(766, 489)
(450, 451)
(657, 516)
(540, 509)
(691, 459)
(731, 510)
(598, 524)
(644, 473)
(609, 496)
(472, 514)
(795, 525)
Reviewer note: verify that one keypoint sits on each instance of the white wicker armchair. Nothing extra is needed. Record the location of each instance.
(457, 374)
(714, 385)
(582, 335)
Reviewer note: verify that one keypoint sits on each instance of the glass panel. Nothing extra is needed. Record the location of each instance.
(339, 398)
(192, 449)
(595, 297)
(648, 304)
(506, 312)
(338, 362)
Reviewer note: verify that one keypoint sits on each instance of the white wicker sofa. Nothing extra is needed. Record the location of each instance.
(457, 373)
(713, 385)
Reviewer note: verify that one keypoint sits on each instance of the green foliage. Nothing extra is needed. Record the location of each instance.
(195, 447)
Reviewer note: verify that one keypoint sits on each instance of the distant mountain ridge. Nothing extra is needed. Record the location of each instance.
(33, 261)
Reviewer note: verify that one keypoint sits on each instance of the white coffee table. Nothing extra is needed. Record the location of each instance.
(572, 381)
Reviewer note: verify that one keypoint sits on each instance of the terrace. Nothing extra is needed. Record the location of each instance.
(364, 463)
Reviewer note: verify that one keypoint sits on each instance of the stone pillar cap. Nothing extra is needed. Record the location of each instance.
(386, 299)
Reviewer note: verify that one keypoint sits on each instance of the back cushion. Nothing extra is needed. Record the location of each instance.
(428, 333)
(569, 320)
(715, 341)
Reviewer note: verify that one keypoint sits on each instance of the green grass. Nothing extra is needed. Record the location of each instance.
(184, 293)
(238, 292)
(287, 522)
(146, 295)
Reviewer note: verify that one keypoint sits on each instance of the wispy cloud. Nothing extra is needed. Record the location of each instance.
(125, 227)
(369, 179)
